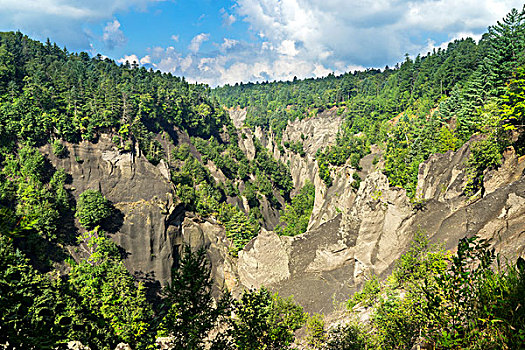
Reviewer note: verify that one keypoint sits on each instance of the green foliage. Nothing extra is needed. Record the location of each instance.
(447, 140)
(454, 310)
(296, 147)
(28, 319)
(191, 311)
(356, 181)
(59, 149)
(483, 154)
(421, 259)
(27, 189)
(276, 171)
(368, 294)
(92, 208)
(412, 140)
(48, 94)
(296, 216)
(108, 290)
(315, 334)
(265, 321)
(349, 336)
(240, 228)
(181, 152)
(348, 147)
(398, 106)
(513, 113)
(449, 301)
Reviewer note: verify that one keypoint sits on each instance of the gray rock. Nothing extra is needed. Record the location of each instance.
(76, 345)
(257, 267)
(140, 192)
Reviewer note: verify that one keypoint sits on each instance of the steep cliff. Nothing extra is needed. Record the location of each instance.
(149, 223)
(353, 234)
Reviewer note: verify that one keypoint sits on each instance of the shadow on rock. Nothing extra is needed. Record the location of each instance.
(152, 287)
(114, 222)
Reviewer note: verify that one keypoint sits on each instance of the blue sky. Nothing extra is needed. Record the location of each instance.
(228, 41)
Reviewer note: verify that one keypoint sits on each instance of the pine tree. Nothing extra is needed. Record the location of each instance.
(507, 45)
(191, 311)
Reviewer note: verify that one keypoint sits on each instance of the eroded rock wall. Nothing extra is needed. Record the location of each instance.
(149, 224)
(353, 234)
(141, 193)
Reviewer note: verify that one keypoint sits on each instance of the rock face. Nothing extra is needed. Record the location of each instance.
(151, 226)
(197, 233)
(256, 265)
(140, 192)
(353, 234)
(238, 116)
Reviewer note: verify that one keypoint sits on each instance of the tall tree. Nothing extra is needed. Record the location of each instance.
(190, 310)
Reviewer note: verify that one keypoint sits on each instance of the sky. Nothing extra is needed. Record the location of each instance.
(228, 41)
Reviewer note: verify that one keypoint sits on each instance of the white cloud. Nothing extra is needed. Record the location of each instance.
(287, 48)
(130, 59)
(62, 21)
(175, 38)
(365, 32)
(228, 44)
(241, 61)
(431, 44)
(309, 38)
(113, 36)
(321, 71)
(146, 60)
(227, 18)
(197, 41)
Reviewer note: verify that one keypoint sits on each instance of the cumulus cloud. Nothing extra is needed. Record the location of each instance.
(287, 48)
(61, 20)
(113, 36)
(197, 41)
(365, 32)
(228, 44)
(309, 38)
(130, 59)
(227, 18)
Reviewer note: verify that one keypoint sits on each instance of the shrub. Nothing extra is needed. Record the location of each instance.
(295, 217)
(92, 209)
(266, 321)
(181, 152)
(59, 149)
(483, 154)
(348, 337)
(315, 334)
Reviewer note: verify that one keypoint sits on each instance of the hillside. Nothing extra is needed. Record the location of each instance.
(133, 203)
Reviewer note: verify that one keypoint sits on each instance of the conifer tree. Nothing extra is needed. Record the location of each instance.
(507, 45)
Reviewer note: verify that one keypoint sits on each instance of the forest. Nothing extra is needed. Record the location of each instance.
(470, 299)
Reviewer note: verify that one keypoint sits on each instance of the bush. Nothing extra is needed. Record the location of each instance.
(348, 337)
(483, 154)
(92, 209)
(315, 335)
(181, 152)
(266, 321)
(59, 149)
(295, 217)
(446, 301)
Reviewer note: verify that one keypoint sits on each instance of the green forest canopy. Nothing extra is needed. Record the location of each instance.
(48, 95)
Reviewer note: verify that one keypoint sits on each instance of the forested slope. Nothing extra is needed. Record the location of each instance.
(433, 103)
(111, 173)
